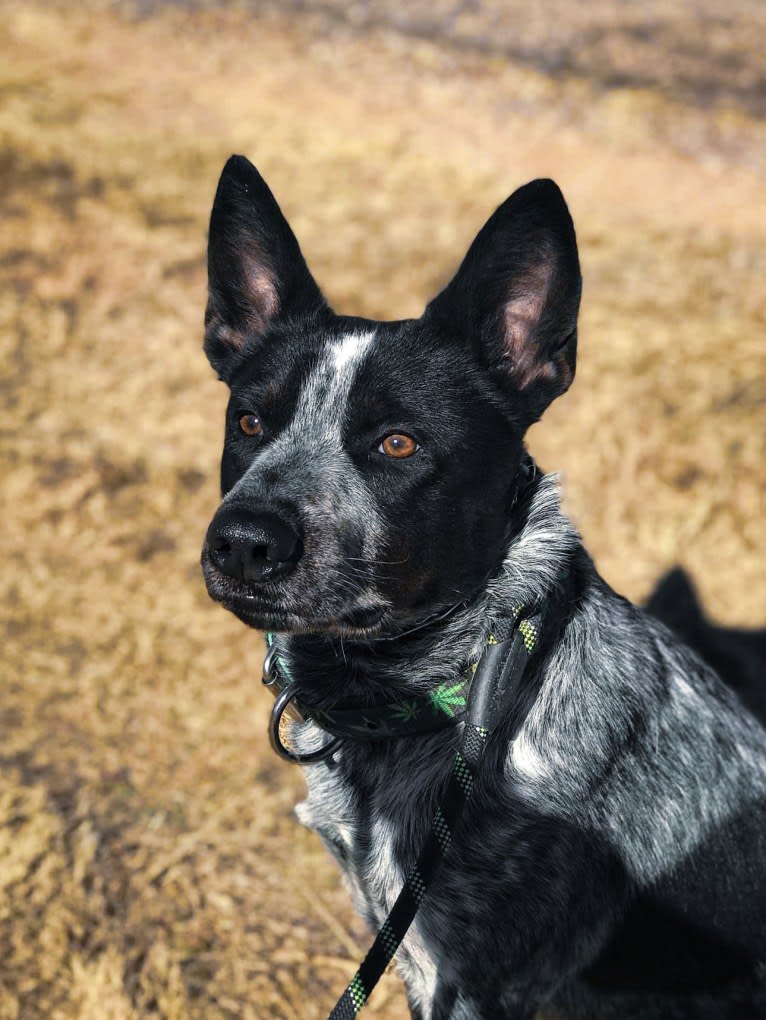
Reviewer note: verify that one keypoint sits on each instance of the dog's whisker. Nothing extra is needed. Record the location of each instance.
(376, 562)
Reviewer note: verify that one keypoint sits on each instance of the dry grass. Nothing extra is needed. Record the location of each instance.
(149, 863)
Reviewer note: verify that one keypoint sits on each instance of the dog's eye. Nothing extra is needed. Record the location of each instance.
(398, 445)
(251, 424)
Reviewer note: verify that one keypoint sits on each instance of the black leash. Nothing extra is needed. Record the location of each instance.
(494, 686)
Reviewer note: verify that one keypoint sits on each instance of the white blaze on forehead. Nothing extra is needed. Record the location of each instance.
(323, 401)
(348, 352)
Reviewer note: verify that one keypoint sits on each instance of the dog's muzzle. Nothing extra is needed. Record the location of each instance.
(252, 547)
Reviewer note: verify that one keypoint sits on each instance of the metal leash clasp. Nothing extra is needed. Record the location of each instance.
(270, 674)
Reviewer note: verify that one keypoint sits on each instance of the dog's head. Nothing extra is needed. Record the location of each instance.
(369, 468)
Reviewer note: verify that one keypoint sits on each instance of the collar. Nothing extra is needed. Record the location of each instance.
(436, 709)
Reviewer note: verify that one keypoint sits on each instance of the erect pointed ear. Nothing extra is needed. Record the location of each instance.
(516, 295)
(256, 272)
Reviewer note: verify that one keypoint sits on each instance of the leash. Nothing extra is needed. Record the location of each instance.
(494, 686)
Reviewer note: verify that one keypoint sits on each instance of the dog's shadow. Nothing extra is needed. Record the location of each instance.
(737, 655)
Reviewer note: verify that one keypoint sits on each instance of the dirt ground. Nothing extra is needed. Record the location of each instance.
(150, 865)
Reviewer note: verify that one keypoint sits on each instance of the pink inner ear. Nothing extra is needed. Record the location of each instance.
(224, 334)
(264, 300)
(527, 359)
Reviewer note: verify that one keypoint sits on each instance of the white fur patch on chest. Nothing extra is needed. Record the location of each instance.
(525, 759)
(385, 879)
(377, 883)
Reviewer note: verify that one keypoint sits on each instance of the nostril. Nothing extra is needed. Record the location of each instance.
(220, 549)
(223, 557)
(283, 552)
(297, 552)
(276, 556)
(286, 551)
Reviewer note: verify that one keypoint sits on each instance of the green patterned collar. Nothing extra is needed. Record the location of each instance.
(425, 712)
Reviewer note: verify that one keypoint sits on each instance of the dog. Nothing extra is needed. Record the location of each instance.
(380, 514)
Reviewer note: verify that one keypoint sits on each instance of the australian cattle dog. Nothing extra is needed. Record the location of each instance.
(380, 515)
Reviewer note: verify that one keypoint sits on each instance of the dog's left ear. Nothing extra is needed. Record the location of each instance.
(257, 276)
(516, 296)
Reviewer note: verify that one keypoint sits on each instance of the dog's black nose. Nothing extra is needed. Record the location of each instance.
(252, 547)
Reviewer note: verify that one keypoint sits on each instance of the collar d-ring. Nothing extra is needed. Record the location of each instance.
(300, 758)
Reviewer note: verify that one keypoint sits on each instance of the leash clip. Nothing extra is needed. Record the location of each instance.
(270, 674)
(281, 705)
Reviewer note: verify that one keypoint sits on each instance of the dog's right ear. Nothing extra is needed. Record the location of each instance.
(256, 272)
(516, 295)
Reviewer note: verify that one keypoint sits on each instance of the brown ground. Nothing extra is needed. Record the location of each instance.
(149, 863)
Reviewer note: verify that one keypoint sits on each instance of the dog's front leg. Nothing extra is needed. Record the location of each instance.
(449, 1004)
(512, 1006)
(416, 1013)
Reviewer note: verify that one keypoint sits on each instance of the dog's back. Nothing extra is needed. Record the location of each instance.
(692, 941)
(738, 656)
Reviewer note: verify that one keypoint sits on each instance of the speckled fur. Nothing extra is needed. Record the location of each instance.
(612, 860)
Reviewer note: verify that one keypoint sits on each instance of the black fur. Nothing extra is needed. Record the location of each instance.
(612, 860)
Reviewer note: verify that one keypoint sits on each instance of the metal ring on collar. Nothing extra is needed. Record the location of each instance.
(309, 757)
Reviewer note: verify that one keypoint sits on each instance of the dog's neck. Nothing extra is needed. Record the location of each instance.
(534, 570)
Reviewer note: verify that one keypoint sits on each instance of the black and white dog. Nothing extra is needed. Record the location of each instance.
(379, 514)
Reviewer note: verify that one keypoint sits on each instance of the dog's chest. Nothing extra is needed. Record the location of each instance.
(362, 837)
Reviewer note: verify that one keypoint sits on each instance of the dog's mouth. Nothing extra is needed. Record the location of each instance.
(265, 607)
(364, 621)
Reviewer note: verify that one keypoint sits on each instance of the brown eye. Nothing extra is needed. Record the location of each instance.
(398, 445)
(251, 425)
